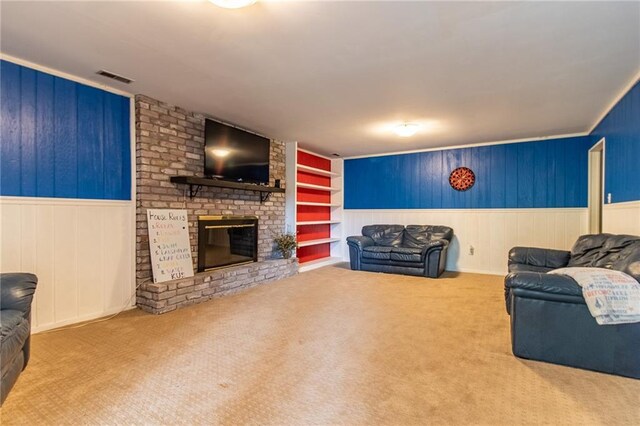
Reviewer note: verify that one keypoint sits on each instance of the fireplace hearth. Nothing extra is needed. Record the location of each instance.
(226, 240)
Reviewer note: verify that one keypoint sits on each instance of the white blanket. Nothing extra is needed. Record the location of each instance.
(612, 297)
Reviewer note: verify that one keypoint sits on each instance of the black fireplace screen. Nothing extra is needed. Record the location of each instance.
(226, 240)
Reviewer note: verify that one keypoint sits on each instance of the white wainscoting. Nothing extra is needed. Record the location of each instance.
(621, 218)
(81, 251)
(491, 232)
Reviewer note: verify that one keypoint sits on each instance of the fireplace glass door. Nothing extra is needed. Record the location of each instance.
(226, 240)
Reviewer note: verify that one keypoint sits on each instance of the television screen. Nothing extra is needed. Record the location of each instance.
(234, 154)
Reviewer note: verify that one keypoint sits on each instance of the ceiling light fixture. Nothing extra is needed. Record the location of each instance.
(406, 130)
(233, 4)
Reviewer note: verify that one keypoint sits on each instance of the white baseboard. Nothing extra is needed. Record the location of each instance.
(480, 271)
(108, 313)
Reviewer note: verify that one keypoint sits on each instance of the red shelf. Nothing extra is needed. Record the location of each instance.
(313, 213)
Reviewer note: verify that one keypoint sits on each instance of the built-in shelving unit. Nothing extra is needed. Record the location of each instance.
(314, 206)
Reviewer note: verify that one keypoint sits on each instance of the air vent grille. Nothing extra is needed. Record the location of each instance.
(116, 77)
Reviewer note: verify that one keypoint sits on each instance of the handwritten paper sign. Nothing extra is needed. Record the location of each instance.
(169, 244)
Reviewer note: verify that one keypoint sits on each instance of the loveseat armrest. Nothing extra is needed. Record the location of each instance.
(434, 255)
(434, 245)
(535, 285)
(360, 242)
(538, 258)
(356, 245)
(16, 291)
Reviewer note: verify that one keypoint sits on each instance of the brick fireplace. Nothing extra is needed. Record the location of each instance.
(170, 142)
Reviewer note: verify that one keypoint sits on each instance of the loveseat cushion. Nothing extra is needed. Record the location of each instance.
(613, 250)
(539, 259)
(14, 331)
(406, 254)
(384, 235)
(596, 249)
(628, 260)
(619, 252)
(586, 249)
(377, 252)
(417, 236)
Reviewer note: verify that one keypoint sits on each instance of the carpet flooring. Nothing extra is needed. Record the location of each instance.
(327, 347)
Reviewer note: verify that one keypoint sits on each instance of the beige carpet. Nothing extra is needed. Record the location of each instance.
(330, 346)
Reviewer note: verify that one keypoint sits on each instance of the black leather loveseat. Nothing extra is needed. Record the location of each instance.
(16, 295)
(415, 250)
(550, 320)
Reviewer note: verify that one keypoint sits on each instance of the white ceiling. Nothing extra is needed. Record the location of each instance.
(335, 75)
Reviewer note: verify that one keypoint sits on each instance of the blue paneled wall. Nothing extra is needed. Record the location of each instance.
(551, 173)
(621, 130)
(62, 139)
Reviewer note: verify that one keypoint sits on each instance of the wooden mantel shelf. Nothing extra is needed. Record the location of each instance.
(196, 183)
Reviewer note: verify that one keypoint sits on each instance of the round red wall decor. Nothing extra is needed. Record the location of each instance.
(462, 178)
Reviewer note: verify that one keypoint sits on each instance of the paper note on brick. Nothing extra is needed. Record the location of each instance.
(169, 244)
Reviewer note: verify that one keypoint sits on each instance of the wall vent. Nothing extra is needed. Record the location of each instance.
(116, 77)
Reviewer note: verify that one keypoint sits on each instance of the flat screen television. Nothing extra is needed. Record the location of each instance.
(234, 154)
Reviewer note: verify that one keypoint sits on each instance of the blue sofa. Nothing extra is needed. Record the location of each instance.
(16, 295)
(550, 320)
(415, 250)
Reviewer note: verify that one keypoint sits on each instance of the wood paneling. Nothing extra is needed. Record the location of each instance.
(45, 136)
(10, 160)
(117, 180)
(65, 151)
(28, 151)
(81, 251)
(61, 138)
(491, 232)
(621, 218)
(91, 142)
(542, 174)
(621, 130)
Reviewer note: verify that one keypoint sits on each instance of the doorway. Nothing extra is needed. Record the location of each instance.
(596, 187)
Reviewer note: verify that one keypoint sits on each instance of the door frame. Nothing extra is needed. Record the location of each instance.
(596, 152)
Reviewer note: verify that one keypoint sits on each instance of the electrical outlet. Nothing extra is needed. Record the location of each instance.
(471, 250)
(609, 198)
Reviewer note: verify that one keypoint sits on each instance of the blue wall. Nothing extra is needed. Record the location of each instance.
(621, 130)
(62, 139)
(551, 173)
